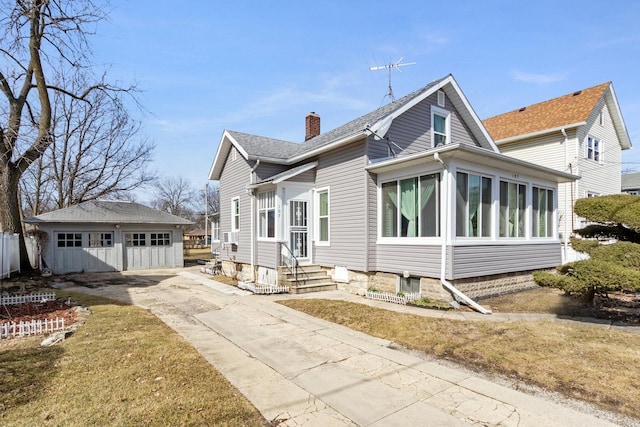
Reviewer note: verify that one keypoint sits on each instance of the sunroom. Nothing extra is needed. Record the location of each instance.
(459, 211)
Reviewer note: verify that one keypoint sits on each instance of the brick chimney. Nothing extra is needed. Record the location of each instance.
(312, 126)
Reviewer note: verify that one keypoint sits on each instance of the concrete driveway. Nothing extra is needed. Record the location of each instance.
(303, 371)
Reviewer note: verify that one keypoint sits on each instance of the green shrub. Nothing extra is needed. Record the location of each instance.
(611, 209)
(559, 281)
(626, 254)
(583, 245)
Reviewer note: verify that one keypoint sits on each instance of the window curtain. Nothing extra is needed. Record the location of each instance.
(429, 217)
(474, 205)
(409, 205)
(389, 209)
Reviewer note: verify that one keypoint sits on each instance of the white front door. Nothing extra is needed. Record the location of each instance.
(299, 229)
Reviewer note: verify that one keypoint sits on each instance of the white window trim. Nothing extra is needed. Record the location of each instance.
(408, 241)
(600, 150)
(258, 210)
(527, 205)
(316, 218)
(554, 213)
(435, 110)
(233, 213)
(495, 204)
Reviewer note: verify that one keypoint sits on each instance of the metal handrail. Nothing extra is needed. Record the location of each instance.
(291, 262)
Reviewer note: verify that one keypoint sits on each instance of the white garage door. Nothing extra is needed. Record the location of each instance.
(83, 251)
(148, 250)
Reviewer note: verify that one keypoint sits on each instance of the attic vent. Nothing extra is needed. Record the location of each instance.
(440, 99)
(522, 109)
(577, 93)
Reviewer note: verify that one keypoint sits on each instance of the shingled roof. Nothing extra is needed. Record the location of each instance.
(109, 211)
(571, 109)
(254, 147)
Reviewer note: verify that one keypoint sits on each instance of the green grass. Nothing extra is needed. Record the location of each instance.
(585, 362)
(123, 367)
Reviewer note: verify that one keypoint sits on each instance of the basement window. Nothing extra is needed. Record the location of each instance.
(408, 285)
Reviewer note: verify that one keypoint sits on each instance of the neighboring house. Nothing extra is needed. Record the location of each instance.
(413, 196)
(582, 133)
(195, 238)
(104, 235)
(631, 183)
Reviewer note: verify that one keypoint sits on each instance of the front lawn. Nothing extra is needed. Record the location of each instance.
(590, 363)
(123, 367)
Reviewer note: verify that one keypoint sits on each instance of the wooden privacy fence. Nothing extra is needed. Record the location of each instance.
(394, 298)
(32, 327)
(9, 254)
(23, 299)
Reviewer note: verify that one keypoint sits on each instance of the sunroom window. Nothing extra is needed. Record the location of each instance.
(542, 224)
(410, 207)
(512, 209)
(473, 205)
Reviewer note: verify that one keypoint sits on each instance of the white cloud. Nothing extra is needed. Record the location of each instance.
(537, 78)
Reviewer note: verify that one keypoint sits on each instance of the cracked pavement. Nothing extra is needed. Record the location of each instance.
(302, 371)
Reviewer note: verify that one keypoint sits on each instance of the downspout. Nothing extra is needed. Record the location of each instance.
(566, 198)
(443, 251)
(252, 221)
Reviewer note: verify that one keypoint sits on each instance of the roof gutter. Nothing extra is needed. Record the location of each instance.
(443, 251)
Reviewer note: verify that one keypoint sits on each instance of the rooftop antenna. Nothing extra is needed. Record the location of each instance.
(390, 67)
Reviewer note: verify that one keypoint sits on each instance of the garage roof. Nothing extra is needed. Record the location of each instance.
(109, 211)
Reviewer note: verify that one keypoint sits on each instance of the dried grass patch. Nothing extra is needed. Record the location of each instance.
(123, 367)
(590, 363)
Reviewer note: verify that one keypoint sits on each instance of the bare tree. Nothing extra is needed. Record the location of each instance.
(176, 196)
(41, 41)
(95, 153)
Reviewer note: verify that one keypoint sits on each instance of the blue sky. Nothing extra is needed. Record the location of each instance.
(259, 67)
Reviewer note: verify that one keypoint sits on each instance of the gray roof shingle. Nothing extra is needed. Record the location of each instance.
(278, 149)
(631, 181)
(109, 211)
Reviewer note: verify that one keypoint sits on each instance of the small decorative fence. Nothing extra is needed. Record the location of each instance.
(33, 327)
(263, 289)
(394, 298)
(23, 299)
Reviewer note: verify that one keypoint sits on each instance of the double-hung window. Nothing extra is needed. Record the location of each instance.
(473, 205)
(410, 207)
(323, 216)
(542, 224)
(440, 128)
(267, 214)
(235, 214)
(69, 240)
(594, 149)
(512, 209)
(215, 229)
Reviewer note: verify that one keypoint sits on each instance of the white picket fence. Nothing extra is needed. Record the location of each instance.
(263, 289)
(23, 299)
(9, 254)
(394, 298)
(33, 327)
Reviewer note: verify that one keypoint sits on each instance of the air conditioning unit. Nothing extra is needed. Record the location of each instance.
(230, 237)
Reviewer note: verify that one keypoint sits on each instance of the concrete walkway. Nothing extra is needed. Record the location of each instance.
(304, 371)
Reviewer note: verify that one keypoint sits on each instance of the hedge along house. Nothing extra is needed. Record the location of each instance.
(103, 235)
(414, 196)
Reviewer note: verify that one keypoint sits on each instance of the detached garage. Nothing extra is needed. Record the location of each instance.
(105, 235)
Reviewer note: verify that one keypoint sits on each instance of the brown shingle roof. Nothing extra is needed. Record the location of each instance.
(552, 114)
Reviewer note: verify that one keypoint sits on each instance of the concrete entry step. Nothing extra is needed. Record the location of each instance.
(310, 278)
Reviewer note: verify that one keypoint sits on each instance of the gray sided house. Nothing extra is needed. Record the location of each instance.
(104, 235)
(414, 196)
